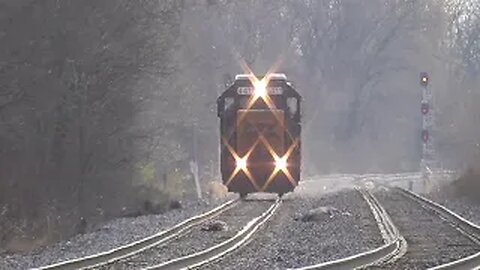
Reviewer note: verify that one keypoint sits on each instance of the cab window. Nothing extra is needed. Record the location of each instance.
(292, 105)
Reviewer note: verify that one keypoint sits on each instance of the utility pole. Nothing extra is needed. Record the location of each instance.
(428, 161)
(194, 163)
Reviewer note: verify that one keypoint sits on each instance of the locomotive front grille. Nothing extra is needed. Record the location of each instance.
(260, 132)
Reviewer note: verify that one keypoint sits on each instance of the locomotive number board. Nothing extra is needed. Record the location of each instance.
(247, 90)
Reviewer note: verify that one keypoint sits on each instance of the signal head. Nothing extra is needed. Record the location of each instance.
(423, 79)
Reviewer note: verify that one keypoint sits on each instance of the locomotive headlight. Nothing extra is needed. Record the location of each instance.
(260, 88)
(242, 163)
(281, 163)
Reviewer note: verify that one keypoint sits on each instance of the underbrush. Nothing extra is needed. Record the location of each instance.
(467, 186)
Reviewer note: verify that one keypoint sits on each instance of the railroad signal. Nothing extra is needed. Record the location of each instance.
(428, 159)
(423, 79)
(425, 108)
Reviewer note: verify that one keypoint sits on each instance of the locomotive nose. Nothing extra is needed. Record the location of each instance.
(260, 127)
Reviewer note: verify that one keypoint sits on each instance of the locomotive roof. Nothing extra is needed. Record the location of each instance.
(272, 76)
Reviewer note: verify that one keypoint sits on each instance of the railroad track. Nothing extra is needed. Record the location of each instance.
(397, 254)
(223, 227)
(121, 258)
(228, 246)
(432, 230)
(393, 248)
(438, 238)
(133, 248)
(465, 227)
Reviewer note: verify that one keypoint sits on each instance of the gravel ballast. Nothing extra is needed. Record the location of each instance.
(460, 195)
(345, 228)
(110, 235)
(460, 205)
(287, 241)
(197, 239)
(431, 240)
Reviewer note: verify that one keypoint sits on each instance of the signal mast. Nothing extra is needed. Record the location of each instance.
(428, 160)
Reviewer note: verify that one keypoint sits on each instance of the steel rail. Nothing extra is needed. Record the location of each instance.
(465, 226)
(215, 252)
(133, 248)
(394, 247)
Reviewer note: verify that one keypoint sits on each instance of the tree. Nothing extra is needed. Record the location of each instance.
(77, 78)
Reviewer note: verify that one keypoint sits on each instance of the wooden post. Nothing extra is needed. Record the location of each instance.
(194, 164)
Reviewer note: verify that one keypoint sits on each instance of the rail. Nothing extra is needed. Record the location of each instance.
(133, 248)
(213, 253)
(394, 247)
(465, 226)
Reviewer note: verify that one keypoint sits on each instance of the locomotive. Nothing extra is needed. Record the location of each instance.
(260, 128)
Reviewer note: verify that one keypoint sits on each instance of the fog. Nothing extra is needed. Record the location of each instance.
(101, 102)
(357, 66)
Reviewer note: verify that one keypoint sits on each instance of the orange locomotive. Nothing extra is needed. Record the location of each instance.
(260, 135)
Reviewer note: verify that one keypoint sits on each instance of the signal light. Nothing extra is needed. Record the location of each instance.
(425, 136)
(423, 78)
(424, 108)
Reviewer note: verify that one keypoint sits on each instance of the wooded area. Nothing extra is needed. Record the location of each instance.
(99, 100)
(75, 77)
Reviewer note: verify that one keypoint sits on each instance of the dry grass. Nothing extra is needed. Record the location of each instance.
(26, 244)
(216, 190)
(468, 185)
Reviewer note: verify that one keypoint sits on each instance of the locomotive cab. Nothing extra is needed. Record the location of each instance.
(260, 135)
